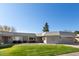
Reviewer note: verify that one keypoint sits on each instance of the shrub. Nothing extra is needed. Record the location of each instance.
(6, 46)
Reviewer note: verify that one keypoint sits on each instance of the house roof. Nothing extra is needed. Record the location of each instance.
(16, 34)
(67, 34)
(60, 33)
(50, 33)
(47, 34)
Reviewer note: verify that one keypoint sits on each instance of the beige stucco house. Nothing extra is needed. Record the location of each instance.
(58, 37)
(45, 37)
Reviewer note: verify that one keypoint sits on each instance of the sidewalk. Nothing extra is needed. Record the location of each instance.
(70, 54)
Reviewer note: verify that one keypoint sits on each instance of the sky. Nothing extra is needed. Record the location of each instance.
(32, 17)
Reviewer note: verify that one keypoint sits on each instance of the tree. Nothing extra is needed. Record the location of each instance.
(46, 27)
(76, 32)
(1, 28)
(6, 29)
(12, 29)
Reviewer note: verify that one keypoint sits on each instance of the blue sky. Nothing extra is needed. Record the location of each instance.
(31, 17)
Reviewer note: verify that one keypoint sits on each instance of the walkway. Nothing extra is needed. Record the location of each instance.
(71, 54)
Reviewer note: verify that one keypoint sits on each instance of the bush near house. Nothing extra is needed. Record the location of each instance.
(37, 50)
(6, 46)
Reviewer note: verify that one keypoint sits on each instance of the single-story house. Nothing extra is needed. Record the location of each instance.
(57, 37)
(45, 37)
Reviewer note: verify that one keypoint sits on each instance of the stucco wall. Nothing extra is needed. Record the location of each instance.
(68, 40)
(58, 39)
(51, 39)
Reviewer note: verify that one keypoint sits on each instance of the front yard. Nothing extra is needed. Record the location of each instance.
(37, 50)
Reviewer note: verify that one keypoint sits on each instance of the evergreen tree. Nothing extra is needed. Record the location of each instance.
(46, 27)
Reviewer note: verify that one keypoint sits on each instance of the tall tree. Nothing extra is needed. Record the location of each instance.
(46, 27)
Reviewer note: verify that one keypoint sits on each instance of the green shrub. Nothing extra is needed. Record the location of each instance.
(6, 46)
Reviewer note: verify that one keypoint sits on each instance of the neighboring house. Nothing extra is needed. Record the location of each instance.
(46, 37)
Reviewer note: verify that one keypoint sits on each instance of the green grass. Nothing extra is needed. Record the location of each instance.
(37, 50)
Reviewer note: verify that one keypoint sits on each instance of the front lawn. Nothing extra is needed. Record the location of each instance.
(37, 50)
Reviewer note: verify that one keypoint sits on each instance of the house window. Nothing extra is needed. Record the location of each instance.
(32, 40)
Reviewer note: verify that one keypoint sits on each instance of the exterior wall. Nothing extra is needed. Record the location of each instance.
(25, 38)
(5, 39)
(51, 39)
(44, 40)
(68, 40)
(18, 38)
(77, 38)
(48, 37)
(67, 34)
(59, 40)
(67, 37)
(22, 39)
